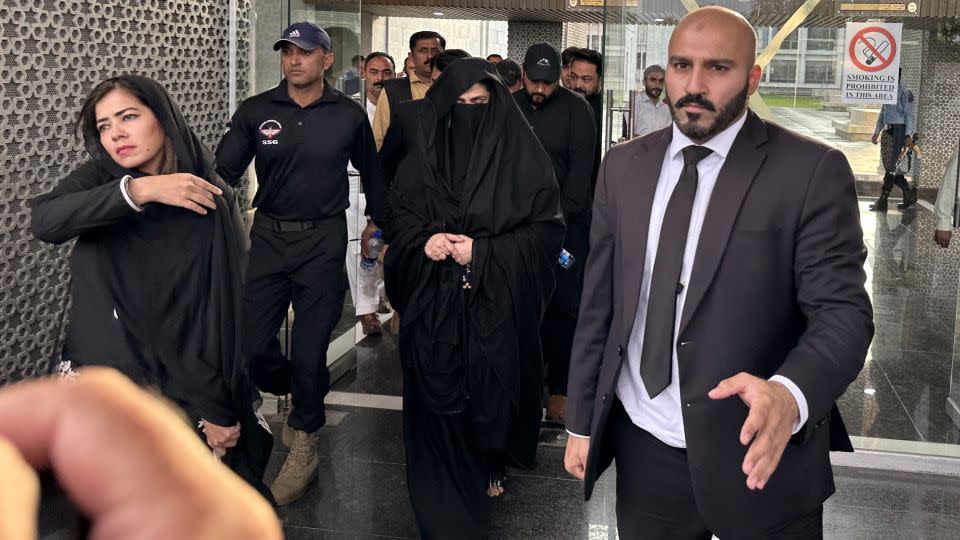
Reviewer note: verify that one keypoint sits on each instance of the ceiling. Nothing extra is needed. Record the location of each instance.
(759, 12)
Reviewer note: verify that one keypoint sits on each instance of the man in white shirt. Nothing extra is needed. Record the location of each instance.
(650, 113)
(723, 310)
(366, 286)
(946, 203)
(379, 67)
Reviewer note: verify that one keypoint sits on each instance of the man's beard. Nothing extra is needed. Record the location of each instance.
(654, 93)
(583, 92)
(727, 114)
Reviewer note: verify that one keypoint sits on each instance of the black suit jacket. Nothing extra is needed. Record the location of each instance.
(777, 287)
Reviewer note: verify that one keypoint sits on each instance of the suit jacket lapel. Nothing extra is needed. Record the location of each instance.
(642, 176)
(737, 174)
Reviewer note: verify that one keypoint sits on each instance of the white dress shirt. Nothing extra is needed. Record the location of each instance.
(661, 416)
(649, 116)
(947, 196)
(371, 109)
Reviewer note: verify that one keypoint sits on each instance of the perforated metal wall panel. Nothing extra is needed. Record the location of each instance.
(52, 53)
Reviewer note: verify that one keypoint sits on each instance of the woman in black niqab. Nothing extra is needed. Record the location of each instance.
(156, 290)
(476, 233)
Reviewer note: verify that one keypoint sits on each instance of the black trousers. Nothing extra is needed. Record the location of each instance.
(556, 341)
(898, 132)
(655, 498)
(306, 268)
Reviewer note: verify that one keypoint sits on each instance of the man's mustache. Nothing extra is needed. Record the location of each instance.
(695, 99)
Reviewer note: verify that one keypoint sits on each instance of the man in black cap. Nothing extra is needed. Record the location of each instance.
(563, 121)
(299, 235)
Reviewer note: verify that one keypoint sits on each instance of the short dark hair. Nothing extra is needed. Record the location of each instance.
(444, 59)
(356, 59)
(591, 56)
(489, 56)
(566, 57)
(426, 34)
(379, 54)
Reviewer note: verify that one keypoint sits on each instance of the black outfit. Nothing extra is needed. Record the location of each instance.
(893, 139)
(156, 294)
(398, 91)
(747, 309)
(472, 371)
(564, 125)
(299, 235)
(652, 476)
(596, 104)
(400, 137)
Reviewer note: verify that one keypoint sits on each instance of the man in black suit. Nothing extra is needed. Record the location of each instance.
(723, 310)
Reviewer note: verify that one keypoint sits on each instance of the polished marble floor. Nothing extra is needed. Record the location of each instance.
(901, 393)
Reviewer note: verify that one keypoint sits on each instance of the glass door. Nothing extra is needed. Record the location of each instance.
(258, 69)
(906, 398)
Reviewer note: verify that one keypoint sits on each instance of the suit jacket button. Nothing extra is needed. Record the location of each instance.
(619, 350)
(604, 398)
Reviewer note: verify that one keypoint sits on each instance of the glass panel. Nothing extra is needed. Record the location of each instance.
(822, 39)
(909, 389)
(341, 20)
(782, 71)
(819, 72)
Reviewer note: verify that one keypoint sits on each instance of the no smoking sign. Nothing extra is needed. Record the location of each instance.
(873, 49)
(872, 62)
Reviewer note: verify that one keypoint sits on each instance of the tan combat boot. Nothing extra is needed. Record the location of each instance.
(299, 470)
(287, 435)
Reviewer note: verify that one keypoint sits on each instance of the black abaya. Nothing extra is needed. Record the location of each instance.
(156, 294)
(473, 369)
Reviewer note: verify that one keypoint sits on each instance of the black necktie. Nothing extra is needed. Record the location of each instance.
(656, 360)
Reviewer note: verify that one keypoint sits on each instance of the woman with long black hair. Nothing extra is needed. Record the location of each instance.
(476, 233)
(156, 270)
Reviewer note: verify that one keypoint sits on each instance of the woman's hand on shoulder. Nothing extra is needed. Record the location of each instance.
(179, 189)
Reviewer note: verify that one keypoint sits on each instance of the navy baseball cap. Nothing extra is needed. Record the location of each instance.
(305, 35)
(542, 63)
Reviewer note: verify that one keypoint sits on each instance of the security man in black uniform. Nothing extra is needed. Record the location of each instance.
(302, 134)
(563, 122)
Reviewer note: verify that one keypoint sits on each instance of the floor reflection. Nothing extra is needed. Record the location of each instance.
(902, 391)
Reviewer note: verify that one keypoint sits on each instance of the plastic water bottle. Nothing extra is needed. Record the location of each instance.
(375, 244)
(566, 260)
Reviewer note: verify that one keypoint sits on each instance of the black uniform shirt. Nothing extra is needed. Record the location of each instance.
(302, 154)
(566, 129)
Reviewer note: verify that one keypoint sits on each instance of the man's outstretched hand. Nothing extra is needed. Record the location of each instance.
(769, 426)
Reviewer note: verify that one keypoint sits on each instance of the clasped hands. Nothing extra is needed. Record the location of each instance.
(766, 431)
(443, 245)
